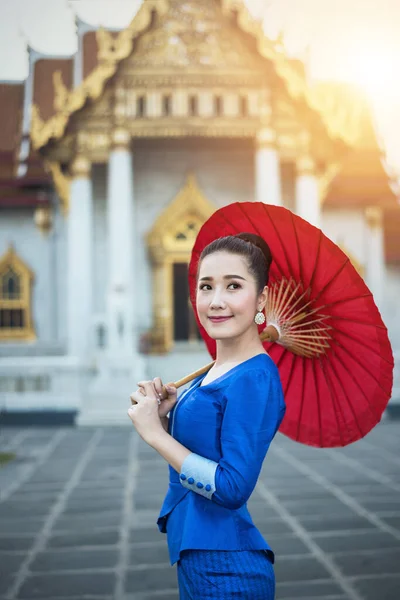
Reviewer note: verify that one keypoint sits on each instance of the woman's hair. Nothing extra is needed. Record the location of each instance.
(249, 245)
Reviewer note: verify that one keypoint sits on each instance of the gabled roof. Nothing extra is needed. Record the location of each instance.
(11, 101)
(362, 179)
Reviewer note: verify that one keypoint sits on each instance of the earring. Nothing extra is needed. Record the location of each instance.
(259, 319)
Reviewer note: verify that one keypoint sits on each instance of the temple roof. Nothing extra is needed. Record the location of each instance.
(11, 99)
(44, 89)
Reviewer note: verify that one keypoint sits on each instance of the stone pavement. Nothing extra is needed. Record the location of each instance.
(78, 510)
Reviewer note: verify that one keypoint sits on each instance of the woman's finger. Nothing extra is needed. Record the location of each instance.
(158, 386)
(136, 397)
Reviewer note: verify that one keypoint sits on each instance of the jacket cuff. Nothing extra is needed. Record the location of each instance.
(198, 474)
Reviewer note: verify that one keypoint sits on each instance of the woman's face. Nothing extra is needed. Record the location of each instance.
(227, 298)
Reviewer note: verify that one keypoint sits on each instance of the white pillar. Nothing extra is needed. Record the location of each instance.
(267, 169)
(122, 332)
(80, 260)
(375, 254)
(307, 191)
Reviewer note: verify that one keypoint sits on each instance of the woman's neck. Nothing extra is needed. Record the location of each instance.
(237, 350)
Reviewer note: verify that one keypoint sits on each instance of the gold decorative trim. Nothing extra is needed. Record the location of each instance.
(120, 139)
(93, 86)
(296, 84)
(80, 167)
(305, 165)
(60, 91)
(171, 240)
(266, 138)
(22, 302)
(374, 217)
(61, 182)
(43, 218)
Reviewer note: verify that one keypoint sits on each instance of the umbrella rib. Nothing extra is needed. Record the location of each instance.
(349, 403)
(361, 364)
(280, 239)
(316, 259)
(321, 441)
(362, 343)
(298, 248)
(335, 404)
(301, 400)
(323, 290)
(371, 408)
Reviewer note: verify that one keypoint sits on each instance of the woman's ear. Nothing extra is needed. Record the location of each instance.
(262, 298)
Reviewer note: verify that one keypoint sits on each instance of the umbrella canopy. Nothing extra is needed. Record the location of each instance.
(333, 353)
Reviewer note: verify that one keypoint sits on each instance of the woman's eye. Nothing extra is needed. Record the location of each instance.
(235, 286)
(203, 286)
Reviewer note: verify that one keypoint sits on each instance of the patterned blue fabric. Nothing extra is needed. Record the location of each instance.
(225, 575)
(230, 421)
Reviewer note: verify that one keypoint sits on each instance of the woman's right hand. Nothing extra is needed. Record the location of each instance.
(167, 404)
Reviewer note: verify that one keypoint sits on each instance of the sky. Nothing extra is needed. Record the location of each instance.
(357, 41)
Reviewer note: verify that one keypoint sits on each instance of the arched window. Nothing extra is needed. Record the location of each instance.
(15, 298)
(218, 106)
(243, 106)
(141, 106)
(193, 106)
(166, 105)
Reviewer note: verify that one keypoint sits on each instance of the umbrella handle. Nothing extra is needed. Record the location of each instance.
(269, 334)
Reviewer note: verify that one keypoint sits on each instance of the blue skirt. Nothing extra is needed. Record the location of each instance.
(225, 575)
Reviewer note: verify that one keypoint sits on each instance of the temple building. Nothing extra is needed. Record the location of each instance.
(111, 160)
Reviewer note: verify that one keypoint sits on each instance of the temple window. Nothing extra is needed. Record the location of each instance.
(243, 106)
(218, 106)
(166, 105)
(141, 106)
(193, 106)
(15, 298)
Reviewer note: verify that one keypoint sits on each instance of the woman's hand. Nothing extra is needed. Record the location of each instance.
(167, 404)
(148, 409)
(144, 412)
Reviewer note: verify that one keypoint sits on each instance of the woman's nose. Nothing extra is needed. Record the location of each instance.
(217, 300)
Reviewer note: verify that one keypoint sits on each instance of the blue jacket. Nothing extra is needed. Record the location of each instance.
(228, 426)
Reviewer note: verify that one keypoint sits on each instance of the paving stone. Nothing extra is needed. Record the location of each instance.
(91, 522)
(306, 590)
(387, 588)
(22, 525)
(6, 581)
(336, 523)
(16, 542)
(300, 569)
(84, 538)
(63, 560)
(148, 580)
(357, 541)
(318, 507)
(270, 526)
(140, 554)
(146, 534)
(10, 562)
(54, 586)
(287, 545)
(374, 563)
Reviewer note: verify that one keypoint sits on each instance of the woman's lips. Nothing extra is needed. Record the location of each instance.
(219, 319)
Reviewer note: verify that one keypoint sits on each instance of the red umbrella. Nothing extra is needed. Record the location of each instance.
(333, 353)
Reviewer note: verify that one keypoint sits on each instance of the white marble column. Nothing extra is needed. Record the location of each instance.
(375, 254)
(80, 260)
(307, 191)
(122, 332)
(268, 187)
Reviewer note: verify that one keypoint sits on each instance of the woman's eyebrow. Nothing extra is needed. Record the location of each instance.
(224, 277)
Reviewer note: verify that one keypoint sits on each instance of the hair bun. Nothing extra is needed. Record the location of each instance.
(259, 242)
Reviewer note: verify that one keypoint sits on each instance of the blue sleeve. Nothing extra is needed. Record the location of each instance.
(253, 412)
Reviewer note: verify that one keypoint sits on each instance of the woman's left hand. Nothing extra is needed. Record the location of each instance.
(144, 412)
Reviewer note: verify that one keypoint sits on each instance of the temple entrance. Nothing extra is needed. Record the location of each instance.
(185, 326)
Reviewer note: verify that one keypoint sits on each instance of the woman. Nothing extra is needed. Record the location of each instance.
(218, 433)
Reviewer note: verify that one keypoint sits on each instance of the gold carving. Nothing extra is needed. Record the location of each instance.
(80, 167)
(120, 139)
(305, 165)
(92, 87)
(61, 183)
(43, 218)
(15, 298)
(266, 138)
(374, 216)
(171, 240)
(60, 91)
